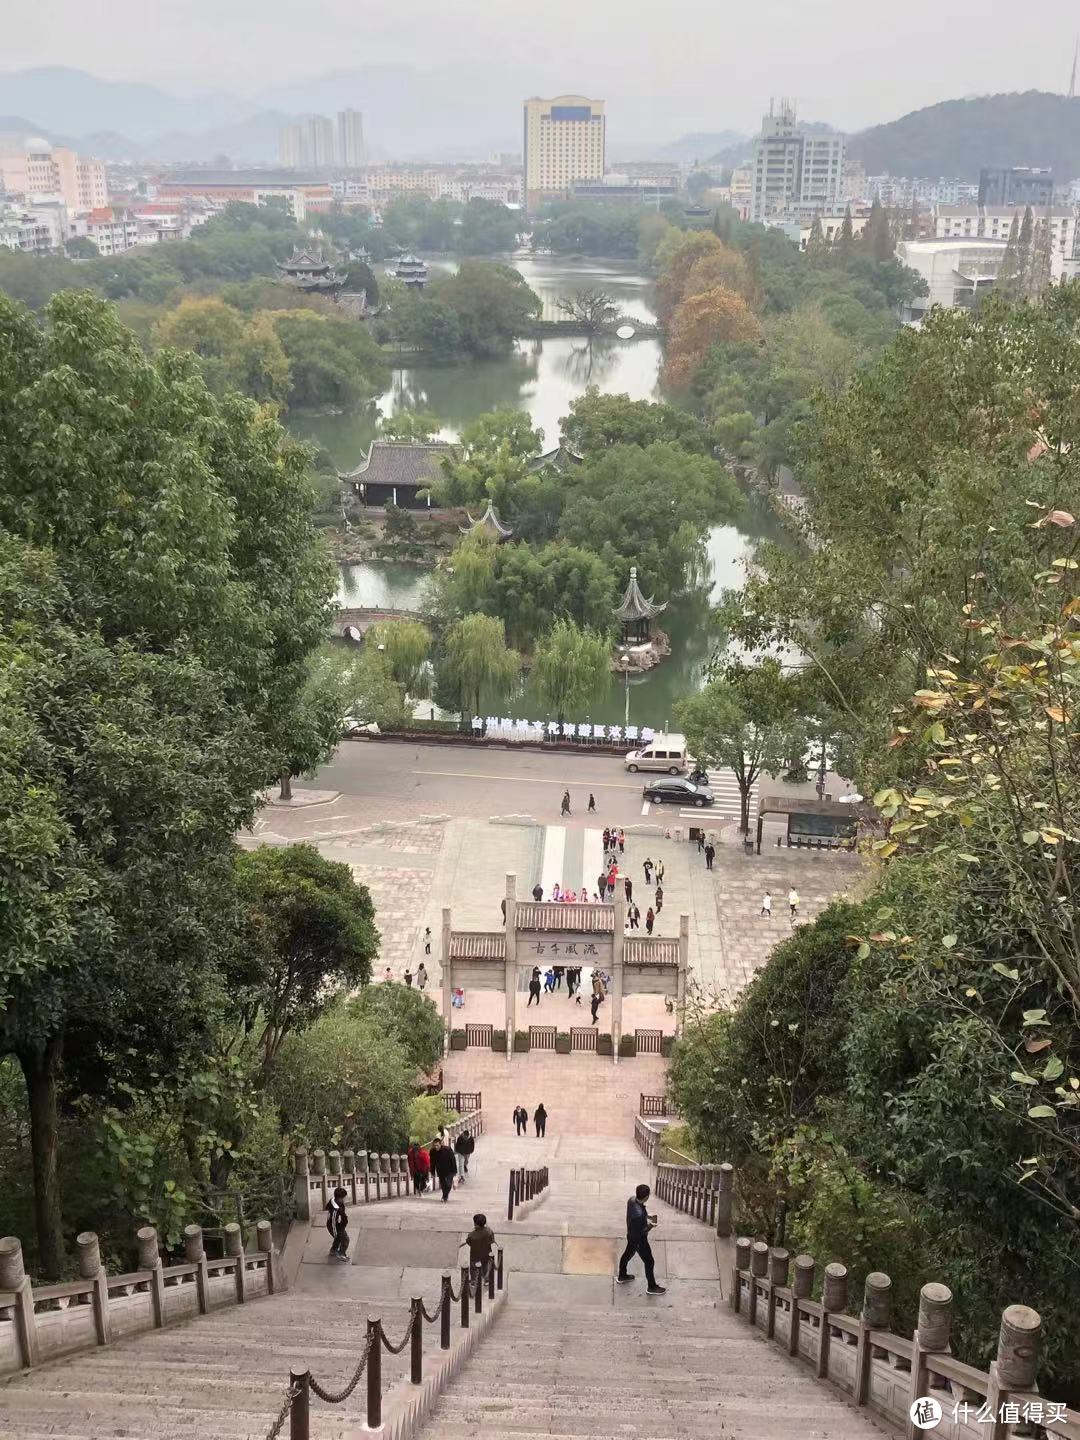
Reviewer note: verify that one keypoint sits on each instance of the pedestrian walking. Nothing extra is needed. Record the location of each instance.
(766, 904)
(622, 841)
(534, 988)
(423, 1169)
(521, 1119)
(445, 1167)
(427, 941)
(607, 841)
(601, 885)
(659, 898)
(710, 855)
(421, 976)
(559, 971)
(481, 1242)
(648, 868)
(549, 982)
(633, 916)
(538, 893)
(337, 1222)
(638, 1225)
(628, 889)
(592, 803)
(388, 974)
(464, 1146)
(659, 872)
(566, 802)
(700, 841)
(594, 1006)
(650, 920)
(540, 1121)
(793, 903)
(408, 978)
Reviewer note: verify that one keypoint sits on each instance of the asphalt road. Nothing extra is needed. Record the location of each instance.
(392, 777)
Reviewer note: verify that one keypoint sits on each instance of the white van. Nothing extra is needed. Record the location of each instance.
(663, 752)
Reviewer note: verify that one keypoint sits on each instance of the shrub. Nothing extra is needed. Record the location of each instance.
(406, 1014)
(498, 1041)
(562, 1042)
(457, 1039)
(604, 1045)
(426, 1114)
(627, 1045)
(521, 1042)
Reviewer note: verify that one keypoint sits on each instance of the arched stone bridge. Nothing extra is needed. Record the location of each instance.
(362, 618)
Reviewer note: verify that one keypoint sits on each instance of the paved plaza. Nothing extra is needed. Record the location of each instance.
(415, 865)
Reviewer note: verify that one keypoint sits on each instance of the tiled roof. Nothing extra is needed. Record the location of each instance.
(587, 919)
(400, 462)
(477, 945)
(650, 950)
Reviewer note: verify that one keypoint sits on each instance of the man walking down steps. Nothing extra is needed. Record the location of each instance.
(638, 1224)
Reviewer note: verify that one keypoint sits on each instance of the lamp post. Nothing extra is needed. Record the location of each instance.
(624, 661)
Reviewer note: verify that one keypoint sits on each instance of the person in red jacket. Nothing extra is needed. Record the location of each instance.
(422, 1162)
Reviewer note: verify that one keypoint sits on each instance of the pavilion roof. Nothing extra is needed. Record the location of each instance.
(634, 605)
(488, 521)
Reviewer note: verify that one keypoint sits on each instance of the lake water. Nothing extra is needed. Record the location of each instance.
(542, 377)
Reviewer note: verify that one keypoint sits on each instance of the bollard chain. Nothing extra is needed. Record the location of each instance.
(336, 1399)
(397, 1349)
(438, 1311)
(283, 1414)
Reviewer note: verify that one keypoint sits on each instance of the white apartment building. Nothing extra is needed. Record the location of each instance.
(794, 171)
(351, 150)
(112, 231)
(33, 231)
(463, 183)
(900, 192)
(993, 222)
(798, 231)
(565, 141)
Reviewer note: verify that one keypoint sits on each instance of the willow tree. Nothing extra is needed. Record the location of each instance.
(477, 662)
(571, 669)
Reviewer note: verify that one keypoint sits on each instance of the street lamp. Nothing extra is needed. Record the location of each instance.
(624, 661)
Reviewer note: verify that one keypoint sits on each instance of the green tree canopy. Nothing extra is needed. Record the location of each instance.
(571, 669)
(598, 420)
(476, 664)
(407, 1016)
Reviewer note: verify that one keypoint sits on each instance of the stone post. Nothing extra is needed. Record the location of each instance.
(234, 1249)
(334, 1165)
(318, 1169)
(301, 1187)
(510, 964)
(195, 1254)
(741, 1267)
(931, 1336)
(759, 1264)
(447, 981)
(680, 980)
(802, 1287)
(363, 1168)
(724, 1184)
(14, 1278)
(146, 1240)
(618, 974)
(1014, 1369)
(778, 1278)
(833, 1300)
(876, 1315)
(348, 1162)
(91, 1268)
(264, 1240)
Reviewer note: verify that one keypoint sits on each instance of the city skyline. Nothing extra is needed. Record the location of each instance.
(654, 82)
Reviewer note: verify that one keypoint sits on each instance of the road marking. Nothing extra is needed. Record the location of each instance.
(551, 866)
(521, 779)
(646, 807)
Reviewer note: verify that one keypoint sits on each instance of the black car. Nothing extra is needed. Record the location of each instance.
(679, 791)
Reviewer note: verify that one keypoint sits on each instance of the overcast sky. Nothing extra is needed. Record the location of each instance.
(686, 64)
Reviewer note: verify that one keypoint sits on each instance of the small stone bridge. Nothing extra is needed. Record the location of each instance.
(362, 618)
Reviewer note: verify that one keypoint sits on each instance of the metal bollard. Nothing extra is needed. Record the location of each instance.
(500, 1268)
(300, 1407)
(464, 1297)
(374, 1375)
(444, 1314)
(491, 1277)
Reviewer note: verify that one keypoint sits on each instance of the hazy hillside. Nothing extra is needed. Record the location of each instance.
(958, 136)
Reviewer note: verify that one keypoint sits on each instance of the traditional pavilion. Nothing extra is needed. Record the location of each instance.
(310, 272)
(488, 524)
(635, 614)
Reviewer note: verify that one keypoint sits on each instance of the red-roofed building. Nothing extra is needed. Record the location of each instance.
(112, 230)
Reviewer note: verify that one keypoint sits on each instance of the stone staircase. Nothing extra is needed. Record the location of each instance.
(571, 1354)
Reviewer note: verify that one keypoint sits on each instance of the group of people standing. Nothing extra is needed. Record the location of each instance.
(442, 1160)
(521, 1120)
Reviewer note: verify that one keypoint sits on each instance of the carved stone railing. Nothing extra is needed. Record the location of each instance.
(42, 1322)
(365, 1175)
(860, 1354)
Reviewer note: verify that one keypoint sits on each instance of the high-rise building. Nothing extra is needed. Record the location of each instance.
(1016, 185)
(43, 170)
(308, 143)
(350, 140)
(291, 147)
(564, 142)
(793, 169)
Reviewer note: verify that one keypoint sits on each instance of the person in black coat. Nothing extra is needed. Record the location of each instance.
(638, 1225)
(445, 1167)
(521, 1120)
(464, 1146)
(540, 1120)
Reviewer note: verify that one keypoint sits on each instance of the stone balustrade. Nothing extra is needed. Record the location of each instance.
(365, 1175)
(860, 1354)
(42, 1322)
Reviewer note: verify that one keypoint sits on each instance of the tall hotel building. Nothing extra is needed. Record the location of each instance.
(564, 143)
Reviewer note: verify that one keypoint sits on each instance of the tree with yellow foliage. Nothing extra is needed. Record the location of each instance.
(701, 321)
(676, 256)
(724, 267)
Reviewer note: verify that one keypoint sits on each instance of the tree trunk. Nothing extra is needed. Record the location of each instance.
(286, 786)
(40, 1064)
(744, 807)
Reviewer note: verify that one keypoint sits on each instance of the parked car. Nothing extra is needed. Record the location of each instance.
(679, 792)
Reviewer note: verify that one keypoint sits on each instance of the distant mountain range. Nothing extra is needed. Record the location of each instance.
(957, 137)
(466, 113)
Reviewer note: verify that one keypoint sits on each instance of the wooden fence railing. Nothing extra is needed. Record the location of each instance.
(653, 1105)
